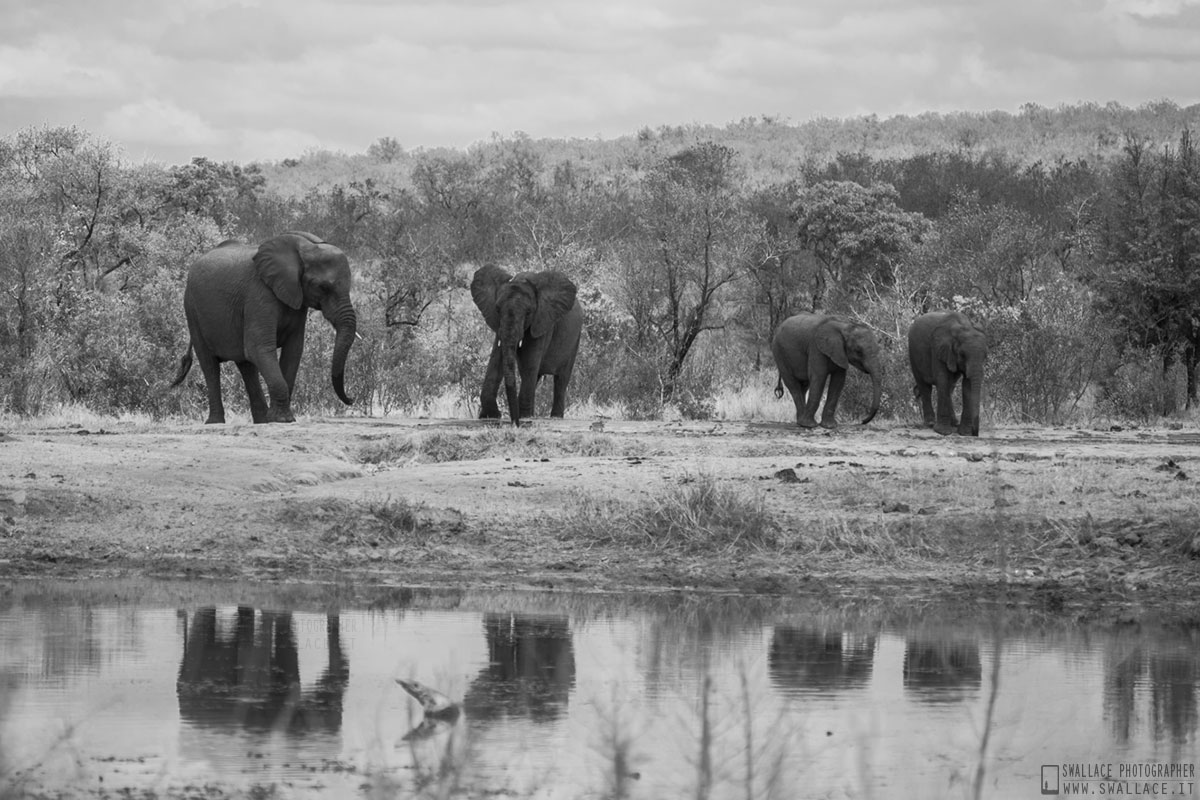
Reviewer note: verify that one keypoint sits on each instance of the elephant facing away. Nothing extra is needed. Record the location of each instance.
(244, 303)
(812, 348)
(944, 346)
(538, 322)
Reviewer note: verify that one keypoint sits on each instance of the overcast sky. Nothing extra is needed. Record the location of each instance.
(268, 79)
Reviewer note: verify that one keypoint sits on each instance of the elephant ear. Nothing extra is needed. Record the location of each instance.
(947, 352)
(556, 296)
(484, 286)
(832, 343)
(279, 264)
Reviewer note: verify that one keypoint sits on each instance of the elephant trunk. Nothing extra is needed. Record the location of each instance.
(508, 363)
(874, 369)
(345, 322)
(971, 391)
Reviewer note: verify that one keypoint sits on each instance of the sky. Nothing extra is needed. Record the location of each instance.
(243, 80)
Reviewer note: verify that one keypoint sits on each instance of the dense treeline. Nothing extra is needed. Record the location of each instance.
(689, 246)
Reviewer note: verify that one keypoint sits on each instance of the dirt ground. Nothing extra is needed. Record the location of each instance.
(1090, 523)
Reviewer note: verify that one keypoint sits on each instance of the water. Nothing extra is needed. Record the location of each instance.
(571, 696)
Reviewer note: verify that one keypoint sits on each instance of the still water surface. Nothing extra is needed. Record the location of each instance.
(574, 696)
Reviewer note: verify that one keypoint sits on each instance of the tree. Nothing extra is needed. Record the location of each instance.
(1150, 278)
(856, 232)
(695, 237)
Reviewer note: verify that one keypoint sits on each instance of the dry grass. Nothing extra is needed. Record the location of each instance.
(506, 441)
(371, 522)
(703, 514)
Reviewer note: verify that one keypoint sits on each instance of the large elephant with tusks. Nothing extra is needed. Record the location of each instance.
(538, 322)
(245, 304)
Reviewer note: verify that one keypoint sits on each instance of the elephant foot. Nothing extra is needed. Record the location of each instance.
(944, 430)
(967, 430)
(279, 415)
(829, 424)
(489, 413)
(215, 420)
(806, 423)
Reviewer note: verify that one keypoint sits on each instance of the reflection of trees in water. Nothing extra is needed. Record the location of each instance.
(1170, 679)
(941, 669)
(802, 658)
(250, 677)
(530, 671)
(685, 636)
(70, 641)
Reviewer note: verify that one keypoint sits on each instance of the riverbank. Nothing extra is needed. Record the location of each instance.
(1090, 524)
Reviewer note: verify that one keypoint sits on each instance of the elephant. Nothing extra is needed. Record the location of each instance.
(810, 348)
(942, 347)
(538, 321)
(244, 302)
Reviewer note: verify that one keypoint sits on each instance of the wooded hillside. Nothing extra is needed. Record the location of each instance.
(1072, 235)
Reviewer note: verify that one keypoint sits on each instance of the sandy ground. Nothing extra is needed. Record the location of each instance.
(1084, 522)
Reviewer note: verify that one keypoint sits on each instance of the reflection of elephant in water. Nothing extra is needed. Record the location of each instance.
(250, 678)
(810, 659)
(530, 672)
(244, 303)
(810, 348)
(939, 670)
(942, 347)
(538, 322)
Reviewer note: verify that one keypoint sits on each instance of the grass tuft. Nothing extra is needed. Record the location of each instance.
(702, 515)
(371, 522)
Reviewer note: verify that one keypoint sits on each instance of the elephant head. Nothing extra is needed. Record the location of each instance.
(523, 310)
(304, 271)
(962, 347)
(846, 342)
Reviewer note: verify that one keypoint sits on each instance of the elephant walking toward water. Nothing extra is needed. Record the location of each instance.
(538, 323)
(245, 303)
(812, 348)
(944, 346)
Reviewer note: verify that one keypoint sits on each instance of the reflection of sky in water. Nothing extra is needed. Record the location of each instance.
(92, 692)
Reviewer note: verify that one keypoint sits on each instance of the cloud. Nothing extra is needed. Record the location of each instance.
(239, 79)
(156, 120)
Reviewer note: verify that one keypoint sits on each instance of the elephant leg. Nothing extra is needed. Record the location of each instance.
(488, 409)
(211, 368)
(280, 409)
(530, 362)
(946, 422)
(254, 391)
(816, 389)
(837, 380)
(924, 394)
(289, 360)
(798, 389)
(561, 379)
(527, 393)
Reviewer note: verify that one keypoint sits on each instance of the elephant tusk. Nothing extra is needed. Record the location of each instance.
(358, 335)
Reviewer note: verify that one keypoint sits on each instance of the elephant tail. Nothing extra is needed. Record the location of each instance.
(779, 387)
(185, 364)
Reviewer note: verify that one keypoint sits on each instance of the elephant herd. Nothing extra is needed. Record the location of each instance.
(943, 346)
(249, 305)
